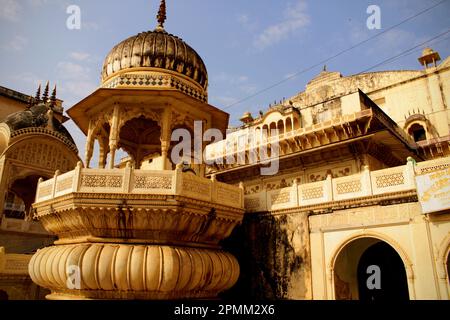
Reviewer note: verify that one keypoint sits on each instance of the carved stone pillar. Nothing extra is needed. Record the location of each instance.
(89, 144)
(166, 137)
(114, 135)
(103, 152)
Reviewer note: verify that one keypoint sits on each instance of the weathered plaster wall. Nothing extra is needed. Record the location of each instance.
(274, 255)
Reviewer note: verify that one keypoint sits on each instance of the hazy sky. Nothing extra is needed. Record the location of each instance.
(247, 45)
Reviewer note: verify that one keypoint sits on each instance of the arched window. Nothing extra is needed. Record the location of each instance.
(280, 127)
(273, 126)
(257, 137)
(288, 125)
(296, 124)
(417, 132)
(265, 133)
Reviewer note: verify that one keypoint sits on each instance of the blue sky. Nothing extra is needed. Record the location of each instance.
(247, 45)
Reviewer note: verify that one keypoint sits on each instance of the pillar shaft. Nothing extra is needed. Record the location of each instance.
(114, 135)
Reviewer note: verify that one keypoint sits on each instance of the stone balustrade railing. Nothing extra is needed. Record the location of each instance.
(132, 181)
(365, 184)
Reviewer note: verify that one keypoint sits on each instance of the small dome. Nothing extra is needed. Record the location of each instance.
(427, 51)
(37, 116)
(155, 49)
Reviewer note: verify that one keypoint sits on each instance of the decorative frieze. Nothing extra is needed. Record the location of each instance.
(313, 193)
(156, 80)
(64, 184)
(42, 154)
(349, 187)
(252, 204)
(390, 180)
(152, 182)
(101, 181)
(368, 216)
(280, 198)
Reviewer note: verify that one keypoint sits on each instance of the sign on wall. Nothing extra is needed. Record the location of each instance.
(433, 190)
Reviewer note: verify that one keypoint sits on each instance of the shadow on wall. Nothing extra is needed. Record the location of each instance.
(3, 295)
(270, 259)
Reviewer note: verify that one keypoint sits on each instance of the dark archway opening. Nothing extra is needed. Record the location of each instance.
(418, 132)
(20, 198)
(140, 138)
(3, 295)
(394, 285)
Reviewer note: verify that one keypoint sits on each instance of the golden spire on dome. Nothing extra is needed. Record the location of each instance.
(161, 15)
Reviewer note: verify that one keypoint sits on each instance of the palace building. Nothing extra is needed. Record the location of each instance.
(358, 190)
(355, 158)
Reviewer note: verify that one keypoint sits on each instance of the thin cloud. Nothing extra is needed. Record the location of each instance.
(224, 100)
(28, 78)
(230, 79)
(246, 22)
(17, 44)
(38, 3)
(10, 10)
(75, 90)
(295, 18)
(392, 42)
(70, 70)
(76, 81)
(90, 26)
(238, 81)
(80, 56)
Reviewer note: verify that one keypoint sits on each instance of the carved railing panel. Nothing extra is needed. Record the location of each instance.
(130, 181)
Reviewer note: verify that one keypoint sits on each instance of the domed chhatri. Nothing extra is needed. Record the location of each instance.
(429, 56)
(144, 228)
(156, 59)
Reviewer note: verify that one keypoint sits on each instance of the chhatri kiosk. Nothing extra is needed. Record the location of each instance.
(151, 229)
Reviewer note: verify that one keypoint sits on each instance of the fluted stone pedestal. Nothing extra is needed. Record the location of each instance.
(145, 244)
(110, 271)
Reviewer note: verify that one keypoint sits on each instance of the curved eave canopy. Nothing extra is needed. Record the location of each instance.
(79, 113)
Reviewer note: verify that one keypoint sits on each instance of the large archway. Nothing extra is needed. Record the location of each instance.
(25, 190)
(370, 269)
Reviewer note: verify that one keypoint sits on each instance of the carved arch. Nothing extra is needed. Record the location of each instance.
(38, 150)
(127, 115)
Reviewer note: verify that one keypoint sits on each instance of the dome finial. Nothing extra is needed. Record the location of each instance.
(161, 15)
(46, 91)
(38, 94)
(53, 97)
